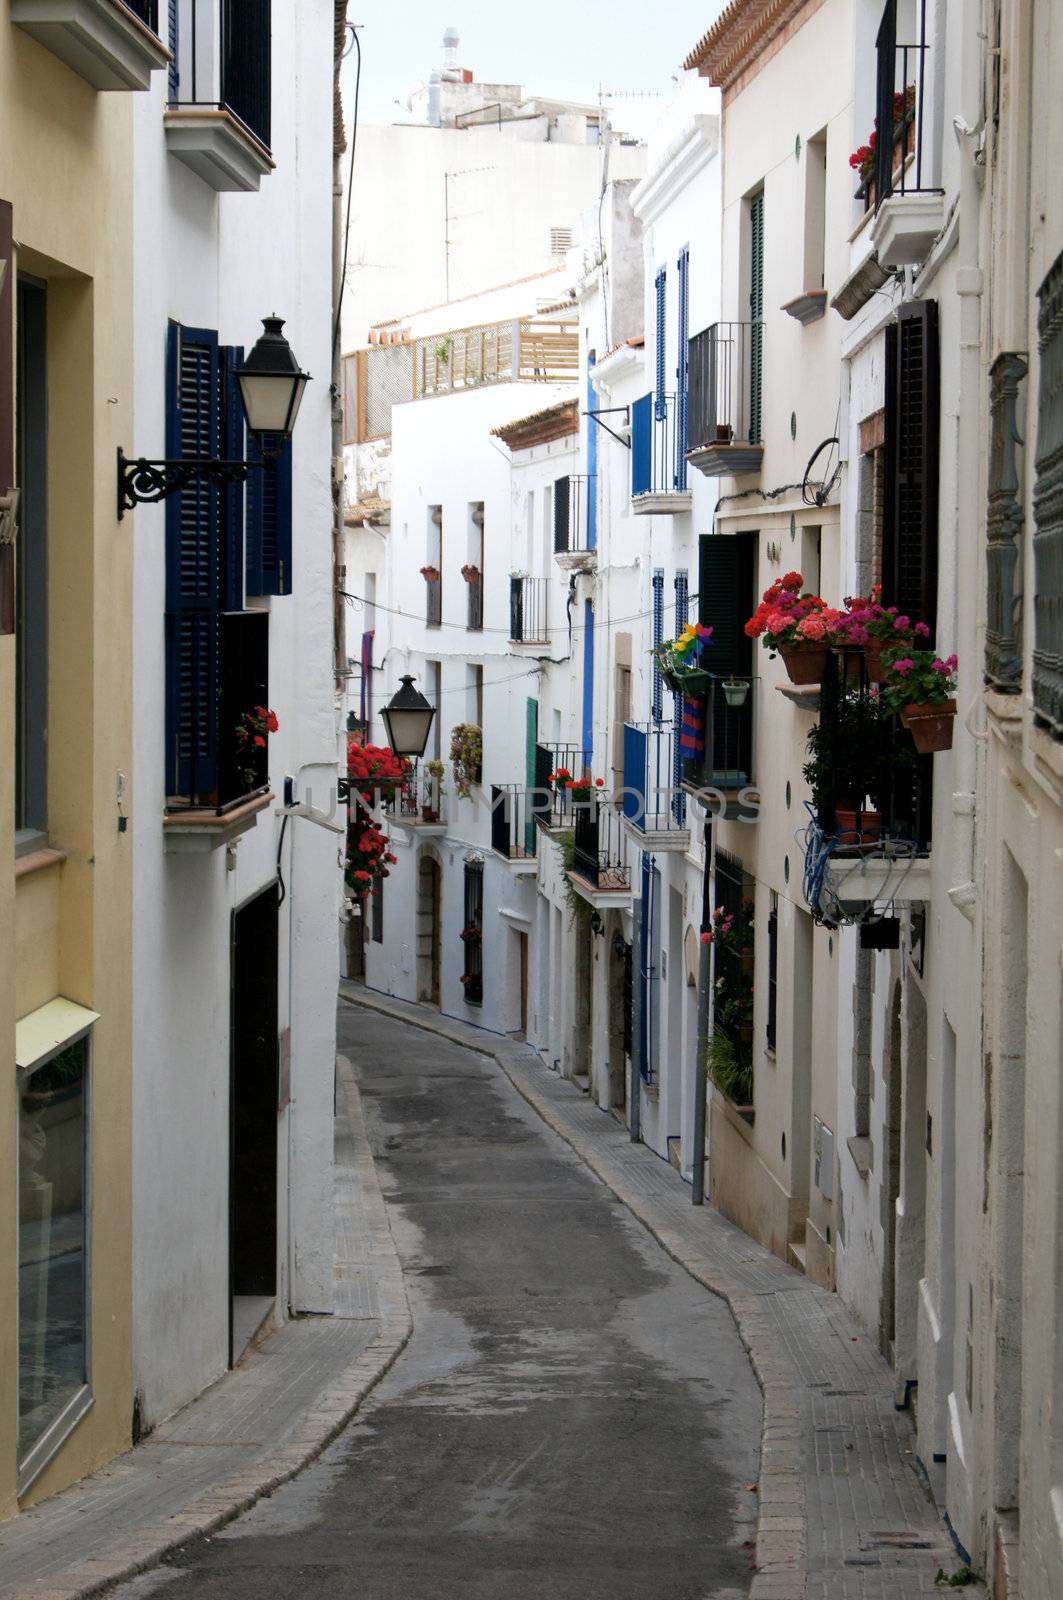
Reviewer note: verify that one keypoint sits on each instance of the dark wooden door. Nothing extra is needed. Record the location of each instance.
(254, 1061)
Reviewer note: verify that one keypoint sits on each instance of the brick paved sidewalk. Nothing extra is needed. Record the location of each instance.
(843, 1511)
(251, 1431)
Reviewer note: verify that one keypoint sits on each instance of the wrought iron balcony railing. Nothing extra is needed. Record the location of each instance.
(600, 847)
(235, 78)
(146, 10)
(527, 610)
(652, 798)
(421, 800)
(513, 831)
(551, 803)
(658, 446)
(902, 162)
(574, 521)
(726, 379)
(726, 761)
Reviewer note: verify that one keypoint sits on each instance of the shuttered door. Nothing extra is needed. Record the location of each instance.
(756, 313)
(681, 371)
(231, 499)
(531, 745)
(562, 497)
(910, 523)
(193, 575)
(657, 605)
(726, 574)
(682, 617)
(660, 287)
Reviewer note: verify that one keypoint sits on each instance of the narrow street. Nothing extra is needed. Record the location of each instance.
(573, 1416)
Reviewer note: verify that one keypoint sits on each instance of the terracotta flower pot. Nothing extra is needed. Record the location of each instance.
(805, 662)
(930, 725)
(855, 827)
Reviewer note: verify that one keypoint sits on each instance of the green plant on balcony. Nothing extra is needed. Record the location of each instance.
(852, 756)
(920, 687)
(730, 1067)
(252, 731)
(679, 660)
(466, 756)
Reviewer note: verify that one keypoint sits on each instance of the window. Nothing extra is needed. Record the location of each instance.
(683, 268)
(472, 978)
(815, 212)
(434, 564)
(31, 566)
(53, 1290)
(234, 73)
(217, 654)
(657, 609)
(478, 696)
(756, 312)
(474, 566)
(1048, 521)
(682, 610)
(8, 523)
(376, 911)
(435, 698)
(660, 285)
(269, 521)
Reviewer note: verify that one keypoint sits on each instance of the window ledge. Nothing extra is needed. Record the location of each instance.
(101, 40)
(218, 148)
(721, 459)
(862, 1151)
(37, 860)
(906, 227)
(807, 307)
(662, 502)
(192, 831)
(576, 560)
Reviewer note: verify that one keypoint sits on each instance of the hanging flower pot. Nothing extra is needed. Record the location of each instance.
(734, 693)
(930, 725)
(855, 826)
(471, 573)
(805, 663)
(430, 574)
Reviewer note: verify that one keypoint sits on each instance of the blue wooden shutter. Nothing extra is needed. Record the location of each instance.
(681, 370)
(192, 567)
(642, 445)
(592, 460)
(231, 431)
(269, 523)
(657, 696)
(660, 284)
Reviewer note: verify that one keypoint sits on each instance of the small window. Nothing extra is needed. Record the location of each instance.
(773, 969)
(560, 241)
(31, 567)
(376, 911)
(472, 976)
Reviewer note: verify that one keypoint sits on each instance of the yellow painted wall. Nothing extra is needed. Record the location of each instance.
(66, 167)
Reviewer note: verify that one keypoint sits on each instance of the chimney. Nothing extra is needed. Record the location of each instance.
(451, 40)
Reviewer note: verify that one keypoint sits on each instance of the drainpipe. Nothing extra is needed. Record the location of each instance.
(701, 1078)
(634, 1093)
(969, 602)
(339, 145)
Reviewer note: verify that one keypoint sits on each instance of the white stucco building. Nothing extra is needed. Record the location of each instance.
(234, 911)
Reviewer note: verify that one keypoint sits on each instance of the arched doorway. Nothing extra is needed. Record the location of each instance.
(428, 898)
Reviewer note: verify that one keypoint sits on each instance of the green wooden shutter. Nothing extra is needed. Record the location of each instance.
(726, 564)
(193, 575)
(910, 522)
(756, 313)
(531, 740)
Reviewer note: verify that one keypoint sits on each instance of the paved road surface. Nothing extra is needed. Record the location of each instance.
(574, 1418)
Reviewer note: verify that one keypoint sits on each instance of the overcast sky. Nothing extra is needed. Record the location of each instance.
(553, 47)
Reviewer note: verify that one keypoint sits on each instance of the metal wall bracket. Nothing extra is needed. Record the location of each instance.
(144, 482)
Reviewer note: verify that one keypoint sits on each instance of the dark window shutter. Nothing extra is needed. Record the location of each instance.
(683, 265)
(269, 523)
(193, 576)
(658, 635)
(642, 445)
(661, 287)
(7, 414)
(562, 500)
(756, 312)
(910, 523)
(171, 33)
(725, 599)
(231, 498)
(773, 975)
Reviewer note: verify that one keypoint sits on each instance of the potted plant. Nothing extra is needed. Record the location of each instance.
(730, 1068)
(735, 692)
(471, 572)
(377, 769)
(581, 789)
(679, 660)
(851, 759)
(466, 756)
(252, 731)
(920, 687)
(876, 628)
(800, 628)
(430, 574)
(434, 790)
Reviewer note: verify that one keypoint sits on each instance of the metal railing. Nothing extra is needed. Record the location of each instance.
(475, 613)
(421, 798)
(658, 446)
(512, 822)
(872, 757)
(433, 601)
(532, 349)
(146, 10)
(1047, 666)
(527, 610)
(600, 847)
(725, 366)
(573, 525)
(551, 804)
(1004, 529)
(242, 86)
(726, 762)
(900, 162)
(651, 798)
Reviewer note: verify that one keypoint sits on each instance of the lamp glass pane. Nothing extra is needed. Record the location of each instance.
(407, 730)
(269, 401)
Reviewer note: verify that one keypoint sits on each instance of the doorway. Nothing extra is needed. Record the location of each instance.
(253, 1096)
(522, 954)
(428, 952)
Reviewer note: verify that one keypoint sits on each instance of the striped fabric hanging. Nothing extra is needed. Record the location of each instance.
(692, 733)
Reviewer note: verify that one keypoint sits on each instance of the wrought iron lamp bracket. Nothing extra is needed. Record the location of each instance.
(146, 482)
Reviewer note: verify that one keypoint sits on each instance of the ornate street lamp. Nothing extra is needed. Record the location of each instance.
(271, 386)
(407, 719)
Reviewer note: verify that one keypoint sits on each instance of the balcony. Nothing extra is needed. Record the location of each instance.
(575, 499)
(658, 455)
(222, 781)
(534, 349)
(552, 807)
(513, 835)
(722, 776)
(600, 870)
(527, 610)
(110, 44)
(910, 209)
(433, 601)
(726, 367)
(420, 804)
(218, 119)
(653, 804)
